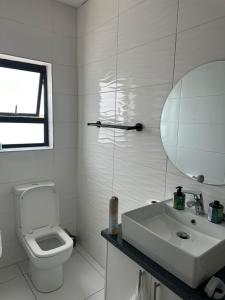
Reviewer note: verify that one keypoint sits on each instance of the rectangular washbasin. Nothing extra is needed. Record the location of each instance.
(187, 245)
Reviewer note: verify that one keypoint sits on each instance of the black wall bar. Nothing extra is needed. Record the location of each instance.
(98, 124)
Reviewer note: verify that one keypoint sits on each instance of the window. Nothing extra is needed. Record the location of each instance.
(24, 104)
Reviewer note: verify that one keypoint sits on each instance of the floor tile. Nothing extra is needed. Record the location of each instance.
(97, 296)
(16, 289)
(91, 260)
(81, 280)
(9, 273)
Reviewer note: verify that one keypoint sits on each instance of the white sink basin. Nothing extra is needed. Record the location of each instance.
(155, 230)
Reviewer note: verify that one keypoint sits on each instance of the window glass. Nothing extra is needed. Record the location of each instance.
(22, 133)
(18, 91)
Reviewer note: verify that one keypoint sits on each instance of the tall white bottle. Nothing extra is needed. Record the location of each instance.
(113, 215)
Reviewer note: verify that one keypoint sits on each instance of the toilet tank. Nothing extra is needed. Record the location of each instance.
(37, 206)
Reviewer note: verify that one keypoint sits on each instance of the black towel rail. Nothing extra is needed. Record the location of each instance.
(98, 124)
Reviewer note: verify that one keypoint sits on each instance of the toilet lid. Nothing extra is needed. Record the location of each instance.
(39, 207)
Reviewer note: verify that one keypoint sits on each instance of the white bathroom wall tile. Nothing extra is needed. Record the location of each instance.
(80, 281)
(7, 213)
(142, 104)
(91, 136)
(148, 21)
(95, 167)
(64, 18)
(26, 41)
(65, 108)
(90, 237)
(96, 107)
(65, 172)
(92, 218)
(137, 183)
(94, 14)
(71, 226)
(64, 79)
(64, 50)
(9, 273)
(29, 12)
(126, 4)
(198, 46)
(196, 12)
(95, 190)
(140, 148)
(16, 289)
(140, 165)
(65, 135)
(92, 185)
(12, 253)
(67, 209)
(146, 65)
(98, 44)
(26, 166)
(95, 154)
(96, 197)
(98, 296)
(97, 77)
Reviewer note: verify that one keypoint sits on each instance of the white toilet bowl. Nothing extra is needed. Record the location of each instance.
(47, 246)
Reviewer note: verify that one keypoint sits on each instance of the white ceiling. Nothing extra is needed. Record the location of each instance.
(75, 3)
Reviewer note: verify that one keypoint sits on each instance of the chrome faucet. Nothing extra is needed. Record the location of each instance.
(197, 201)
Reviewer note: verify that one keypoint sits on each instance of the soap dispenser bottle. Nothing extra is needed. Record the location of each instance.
(215, 213)
(179, 199)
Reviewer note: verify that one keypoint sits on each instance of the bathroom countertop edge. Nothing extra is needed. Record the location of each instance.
(169, 280)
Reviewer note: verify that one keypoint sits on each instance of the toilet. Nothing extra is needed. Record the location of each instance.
(38, 227)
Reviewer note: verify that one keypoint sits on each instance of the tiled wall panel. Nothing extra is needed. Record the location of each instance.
(127, 80)
(41, 30)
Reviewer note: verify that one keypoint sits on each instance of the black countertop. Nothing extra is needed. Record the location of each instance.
(169, 280)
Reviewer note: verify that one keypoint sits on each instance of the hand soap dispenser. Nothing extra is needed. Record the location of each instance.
(179, 199)
(215, 213)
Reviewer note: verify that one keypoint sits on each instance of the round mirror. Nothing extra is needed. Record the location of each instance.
(193, 124)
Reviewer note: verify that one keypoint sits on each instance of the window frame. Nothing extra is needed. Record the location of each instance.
(42, 69)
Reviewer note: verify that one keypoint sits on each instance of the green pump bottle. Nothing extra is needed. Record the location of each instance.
(179, 199)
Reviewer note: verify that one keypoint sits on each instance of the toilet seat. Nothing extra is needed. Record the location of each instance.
(38, 227)
(31, 238)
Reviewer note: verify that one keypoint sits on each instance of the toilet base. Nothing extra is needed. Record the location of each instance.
(46, 280)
